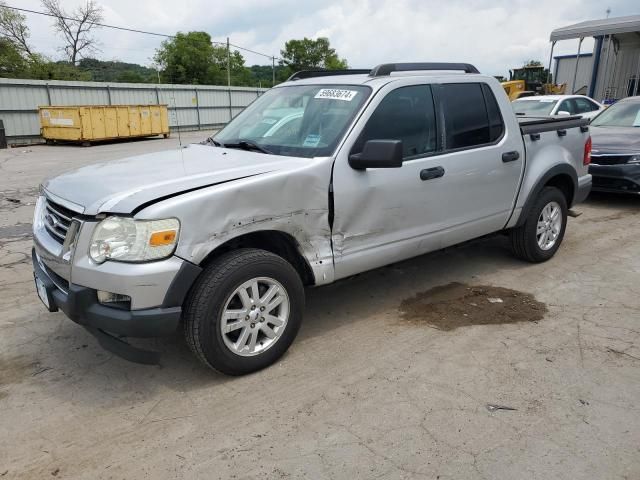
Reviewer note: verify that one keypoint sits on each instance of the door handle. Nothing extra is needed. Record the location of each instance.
(431, 173)
(510, 156)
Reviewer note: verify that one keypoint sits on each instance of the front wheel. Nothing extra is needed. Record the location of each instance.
(539, 238)
(244, 311)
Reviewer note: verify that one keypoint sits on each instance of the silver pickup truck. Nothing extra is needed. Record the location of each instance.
(324, 176)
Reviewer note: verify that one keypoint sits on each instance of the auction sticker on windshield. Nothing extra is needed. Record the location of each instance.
(336, 94)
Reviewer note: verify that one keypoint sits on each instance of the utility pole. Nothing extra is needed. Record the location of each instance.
(228, 64)
(273, 71)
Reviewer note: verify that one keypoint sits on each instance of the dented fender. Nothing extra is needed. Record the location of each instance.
(294, 201)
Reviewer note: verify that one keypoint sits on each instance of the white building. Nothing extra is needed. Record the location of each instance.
(565, 67)
(612, 70)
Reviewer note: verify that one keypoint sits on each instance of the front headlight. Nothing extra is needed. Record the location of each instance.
(38, 213)
(634, 160)
(127, 240)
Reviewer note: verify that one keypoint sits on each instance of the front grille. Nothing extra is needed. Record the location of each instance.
(57, 220)
(610, 159)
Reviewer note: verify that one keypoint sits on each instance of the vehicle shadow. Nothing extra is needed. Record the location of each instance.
(173, 136)
(383, 289)
(95, 143)
(77, 355)
(602, 200)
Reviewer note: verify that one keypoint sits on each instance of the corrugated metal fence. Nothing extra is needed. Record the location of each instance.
(191, 107)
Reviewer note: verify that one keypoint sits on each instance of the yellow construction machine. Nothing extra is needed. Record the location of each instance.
(530, 80)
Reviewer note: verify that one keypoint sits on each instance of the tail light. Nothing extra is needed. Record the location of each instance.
(586, 160)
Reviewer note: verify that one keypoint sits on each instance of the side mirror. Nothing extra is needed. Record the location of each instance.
(563, 113)
(378, 154)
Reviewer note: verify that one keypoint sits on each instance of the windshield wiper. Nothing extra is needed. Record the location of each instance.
(211, 141)
(247, 145)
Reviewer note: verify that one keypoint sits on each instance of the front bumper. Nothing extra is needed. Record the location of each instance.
(81, 305)
(622, 178)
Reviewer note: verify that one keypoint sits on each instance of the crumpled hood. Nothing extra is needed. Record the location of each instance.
(608, 140)
(121, 186)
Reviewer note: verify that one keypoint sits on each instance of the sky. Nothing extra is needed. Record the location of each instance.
(494, 35)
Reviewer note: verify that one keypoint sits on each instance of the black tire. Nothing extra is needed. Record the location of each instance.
(524, 242)
(207, 298)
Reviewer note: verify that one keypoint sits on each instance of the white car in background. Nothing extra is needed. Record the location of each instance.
(557, 106)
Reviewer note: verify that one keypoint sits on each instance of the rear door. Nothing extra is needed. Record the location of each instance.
(484, 157)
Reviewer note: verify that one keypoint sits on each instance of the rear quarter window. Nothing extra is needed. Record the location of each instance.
(472, 116)
(496, 124)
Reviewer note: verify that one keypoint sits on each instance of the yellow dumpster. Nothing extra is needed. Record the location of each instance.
(102, 122)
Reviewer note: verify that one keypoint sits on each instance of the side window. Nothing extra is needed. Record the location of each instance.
(406, 114)
(472, 116)
(496, 124)
(567, 106)
(585, 106)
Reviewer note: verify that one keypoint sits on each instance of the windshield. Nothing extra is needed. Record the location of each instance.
(301, 120)
(539, 107)
(622, 114)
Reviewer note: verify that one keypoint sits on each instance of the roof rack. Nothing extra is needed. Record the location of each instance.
(302, 74)
(387, 68)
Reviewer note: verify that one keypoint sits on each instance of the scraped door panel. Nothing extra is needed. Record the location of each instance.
(384, 215)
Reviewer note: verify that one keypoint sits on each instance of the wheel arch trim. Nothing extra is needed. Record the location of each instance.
(278, 242)
(563, 173)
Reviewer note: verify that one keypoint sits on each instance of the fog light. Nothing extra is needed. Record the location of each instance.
(109, 297)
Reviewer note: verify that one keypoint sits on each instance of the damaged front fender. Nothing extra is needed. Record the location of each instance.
(292, 201)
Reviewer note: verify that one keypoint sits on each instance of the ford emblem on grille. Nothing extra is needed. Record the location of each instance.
(51, 220)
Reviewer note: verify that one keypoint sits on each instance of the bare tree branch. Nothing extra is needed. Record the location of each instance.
(14, 28)
(76, 27)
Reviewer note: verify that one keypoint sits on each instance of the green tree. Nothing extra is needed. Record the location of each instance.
(14, 28)
(262, 75)
(42, 69)
(12, 63)
(116, 71)
(191, 58)
(130, 77)
(186, 58)
(240, 75)
(308, 54)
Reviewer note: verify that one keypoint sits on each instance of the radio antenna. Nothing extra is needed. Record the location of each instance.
(175, 113)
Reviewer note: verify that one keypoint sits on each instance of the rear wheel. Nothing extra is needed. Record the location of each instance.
(539, 238)
(244, 311)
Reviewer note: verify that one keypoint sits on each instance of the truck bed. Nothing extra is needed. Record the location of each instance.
(546, 139)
